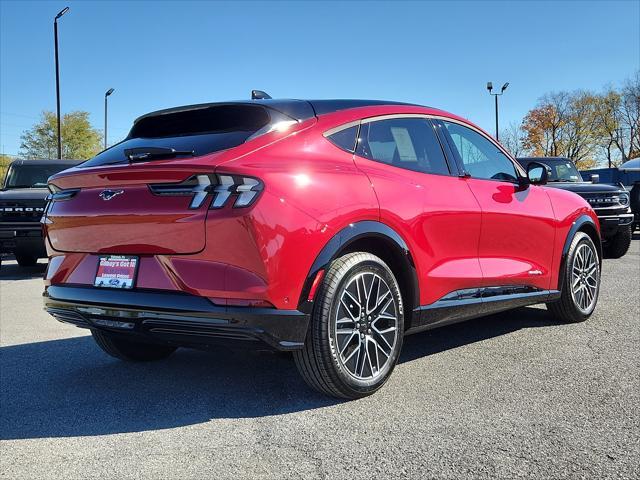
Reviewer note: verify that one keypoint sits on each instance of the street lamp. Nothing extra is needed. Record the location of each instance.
(55, 38)
(496, 95)
(106, 95)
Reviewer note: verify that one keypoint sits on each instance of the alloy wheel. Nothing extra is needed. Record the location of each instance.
(366, 326)
(585, 278)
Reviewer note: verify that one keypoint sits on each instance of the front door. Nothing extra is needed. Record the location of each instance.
(424, 200)
(517, 233)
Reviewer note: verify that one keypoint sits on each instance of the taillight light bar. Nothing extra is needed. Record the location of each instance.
(58, 194)
(223, 187)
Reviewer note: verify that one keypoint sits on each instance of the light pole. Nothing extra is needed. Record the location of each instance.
(55, 39)
(106, 95)
(496, 95)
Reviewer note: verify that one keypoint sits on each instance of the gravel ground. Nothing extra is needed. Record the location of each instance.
(512, 395)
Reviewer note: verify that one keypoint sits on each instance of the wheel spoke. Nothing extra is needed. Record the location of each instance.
(355, 350)
(346, 307)
(366, 344)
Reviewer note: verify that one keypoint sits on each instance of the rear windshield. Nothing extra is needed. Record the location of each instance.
(204, 130)
(31, 176)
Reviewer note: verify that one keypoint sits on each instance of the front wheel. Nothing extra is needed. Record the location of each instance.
(619, 244)
(581, 282)
(356, 330)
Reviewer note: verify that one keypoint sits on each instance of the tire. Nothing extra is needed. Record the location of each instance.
(26, 260)
(619, 244)
(577, 304)
(327, 360)
(130, 351)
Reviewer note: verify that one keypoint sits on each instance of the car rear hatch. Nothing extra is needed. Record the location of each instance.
(147, 194)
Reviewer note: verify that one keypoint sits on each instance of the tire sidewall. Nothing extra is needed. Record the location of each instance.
(579, 239)
(372, 265)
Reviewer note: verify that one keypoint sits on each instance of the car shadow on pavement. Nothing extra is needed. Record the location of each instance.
(68, 387)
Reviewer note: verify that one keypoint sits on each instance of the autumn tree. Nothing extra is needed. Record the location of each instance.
(5, 160)
(562, 125)
(79, 139)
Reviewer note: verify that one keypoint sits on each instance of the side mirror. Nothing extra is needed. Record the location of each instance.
(595, 178)
(538, 173)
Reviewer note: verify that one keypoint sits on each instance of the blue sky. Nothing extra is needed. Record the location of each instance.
(161, 54)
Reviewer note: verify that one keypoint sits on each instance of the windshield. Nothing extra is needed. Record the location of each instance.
(564, 171)
(31, 176)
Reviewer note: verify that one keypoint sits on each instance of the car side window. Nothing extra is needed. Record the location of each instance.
(345, 138)
(408, 143)
(481, 157)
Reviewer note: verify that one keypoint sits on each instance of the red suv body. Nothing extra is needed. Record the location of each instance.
(277, 222)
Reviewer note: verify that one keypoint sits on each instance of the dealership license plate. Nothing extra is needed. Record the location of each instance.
(116, 271)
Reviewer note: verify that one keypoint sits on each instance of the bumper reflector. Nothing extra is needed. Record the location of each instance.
(113, 324)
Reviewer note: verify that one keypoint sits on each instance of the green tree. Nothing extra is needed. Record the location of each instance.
(79, 139)
(5, 160)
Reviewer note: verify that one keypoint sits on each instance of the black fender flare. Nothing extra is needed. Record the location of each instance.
(347, 236)
(578, 224)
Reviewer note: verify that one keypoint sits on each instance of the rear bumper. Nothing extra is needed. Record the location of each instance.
(175, 318)
(23, 240)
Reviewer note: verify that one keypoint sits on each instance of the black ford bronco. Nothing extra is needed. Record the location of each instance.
(22, 202)
(610, 202)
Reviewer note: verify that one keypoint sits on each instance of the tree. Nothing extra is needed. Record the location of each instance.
(562, 124)
(630, 118)
(512, 138)
(609, 126)
(79, 139)
(5, 160)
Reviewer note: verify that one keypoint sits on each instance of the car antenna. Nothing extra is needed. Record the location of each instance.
(259, 95)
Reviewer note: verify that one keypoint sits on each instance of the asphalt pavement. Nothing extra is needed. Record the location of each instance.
(507, 396)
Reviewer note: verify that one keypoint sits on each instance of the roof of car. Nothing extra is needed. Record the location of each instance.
(542, 159)
(297, 109)
(45, 161)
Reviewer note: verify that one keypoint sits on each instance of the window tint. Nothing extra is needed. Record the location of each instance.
(408, 143)
(29, 176)
(201, 130)
(481, 158)
(345, 139)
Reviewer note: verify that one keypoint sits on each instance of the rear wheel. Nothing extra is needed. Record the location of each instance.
(581, 282)
(128, 350)
(26, 260)
(356, 331)
(619, 244)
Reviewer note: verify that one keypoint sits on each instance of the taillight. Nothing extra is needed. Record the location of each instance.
(243, 191)
(58, 194)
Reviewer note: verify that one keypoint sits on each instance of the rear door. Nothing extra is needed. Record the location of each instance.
(518, 224)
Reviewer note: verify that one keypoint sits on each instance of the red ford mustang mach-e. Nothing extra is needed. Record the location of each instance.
(330, 228)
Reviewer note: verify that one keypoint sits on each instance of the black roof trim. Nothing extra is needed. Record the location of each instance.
(296, 109)
(322, 107)
(538, 159)
(41, 161)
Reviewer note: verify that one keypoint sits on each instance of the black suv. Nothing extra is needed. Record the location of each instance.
(22, 202)
(611, 203)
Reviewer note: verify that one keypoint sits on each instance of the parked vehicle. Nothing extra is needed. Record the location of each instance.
(630, 172)
(22, 202)
(610, 202)
(613, 176)
(330, 228)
